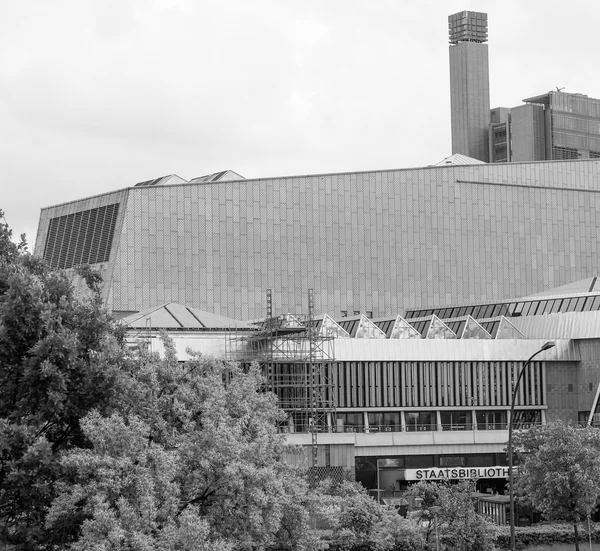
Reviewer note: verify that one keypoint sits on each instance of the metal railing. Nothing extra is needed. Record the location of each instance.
(406, 428)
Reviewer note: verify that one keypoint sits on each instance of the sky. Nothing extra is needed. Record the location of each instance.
(97, 95)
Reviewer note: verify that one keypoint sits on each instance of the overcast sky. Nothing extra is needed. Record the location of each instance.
(96, 95)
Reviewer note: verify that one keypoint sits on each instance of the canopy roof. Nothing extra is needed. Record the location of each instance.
(176, 316)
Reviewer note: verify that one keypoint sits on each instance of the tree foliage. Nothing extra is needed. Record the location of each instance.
(459, 525)
(559, 470)
(194, 444)
(58, 360)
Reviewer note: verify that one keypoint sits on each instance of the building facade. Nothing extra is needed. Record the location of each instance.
(469, 84)
(552, 126)
(372, 242)
(424, 396)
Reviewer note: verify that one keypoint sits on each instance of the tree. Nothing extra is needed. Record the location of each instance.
(58, 360)
(396, 533)
(355, 516)
(194, 447)
(559, 469)
(459, 525)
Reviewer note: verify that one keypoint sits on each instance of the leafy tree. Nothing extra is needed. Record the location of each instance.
(8, 249)
(559, 469)
(355, 517)
(426, 495)
(194, 447)
(396, 533)
(58, 360)
(459, 526)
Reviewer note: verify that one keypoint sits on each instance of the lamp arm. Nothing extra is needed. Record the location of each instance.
(510, 449)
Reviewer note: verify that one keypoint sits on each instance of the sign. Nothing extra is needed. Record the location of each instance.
(455, 473)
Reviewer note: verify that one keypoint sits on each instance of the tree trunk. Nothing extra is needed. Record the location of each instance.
(576, 537)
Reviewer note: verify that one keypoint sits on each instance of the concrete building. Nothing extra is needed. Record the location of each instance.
(552, 126)
(423, 396)
(375, 242)
(469, 84)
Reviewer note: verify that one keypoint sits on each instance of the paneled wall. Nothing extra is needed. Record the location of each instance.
(384, 384)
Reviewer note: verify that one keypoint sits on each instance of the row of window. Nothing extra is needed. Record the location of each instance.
(411, 421)
(406, 384)
(513, 309)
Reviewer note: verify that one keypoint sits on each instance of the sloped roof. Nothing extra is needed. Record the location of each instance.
(583, 286)
(170, 179)
(223, 176)
(458, 159)
(176, 316)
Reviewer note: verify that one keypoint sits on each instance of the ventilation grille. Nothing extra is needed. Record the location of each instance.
(81, 238)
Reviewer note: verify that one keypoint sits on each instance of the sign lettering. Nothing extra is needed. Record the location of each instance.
(455, 473)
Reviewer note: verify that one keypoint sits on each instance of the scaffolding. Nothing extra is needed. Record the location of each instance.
(296, 359)
(141, 340)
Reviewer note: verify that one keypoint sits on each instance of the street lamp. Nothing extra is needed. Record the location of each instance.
(545, 346)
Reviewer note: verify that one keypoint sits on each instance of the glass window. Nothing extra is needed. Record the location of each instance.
(588, 304)
(526, 419)
(456, 420)
(350, 422)
(491, 420)
(476, 311)
(580, 303)
(489, 310)
(391, 462)
(385, 422)
(419, 421)
(418, 461)
(582, 418)
(543, 307)
(596, 303)
(569, 305)
(556, 306)
(483, 460)
(527, 308)
(452, 461)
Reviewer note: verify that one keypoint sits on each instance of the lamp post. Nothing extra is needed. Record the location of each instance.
(545, 346)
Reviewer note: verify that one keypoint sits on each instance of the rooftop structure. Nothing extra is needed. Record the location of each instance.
(555, 125)
(469, 84)
(468, 26)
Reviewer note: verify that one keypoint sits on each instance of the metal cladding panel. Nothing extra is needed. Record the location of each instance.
(380, 242)
(452, 350)
(570, 325)
(183, 316)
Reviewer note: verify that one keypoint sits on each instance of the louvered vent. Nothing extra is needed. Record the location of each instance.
(81, 238)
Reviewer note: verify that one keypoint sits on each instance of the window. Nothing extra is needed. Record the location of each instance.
(456, 420)
(83, 237)
(350, 422)
(452, 461)
(418, 461)
(526, 419)
(419, 421)
(491, 420)
(385, 422)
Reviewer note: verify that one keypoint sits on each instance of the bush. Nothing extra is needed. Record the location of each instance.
(544, 534)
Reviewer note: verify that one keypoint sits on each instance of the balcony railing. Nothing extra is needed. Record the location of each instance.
(408, 428)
